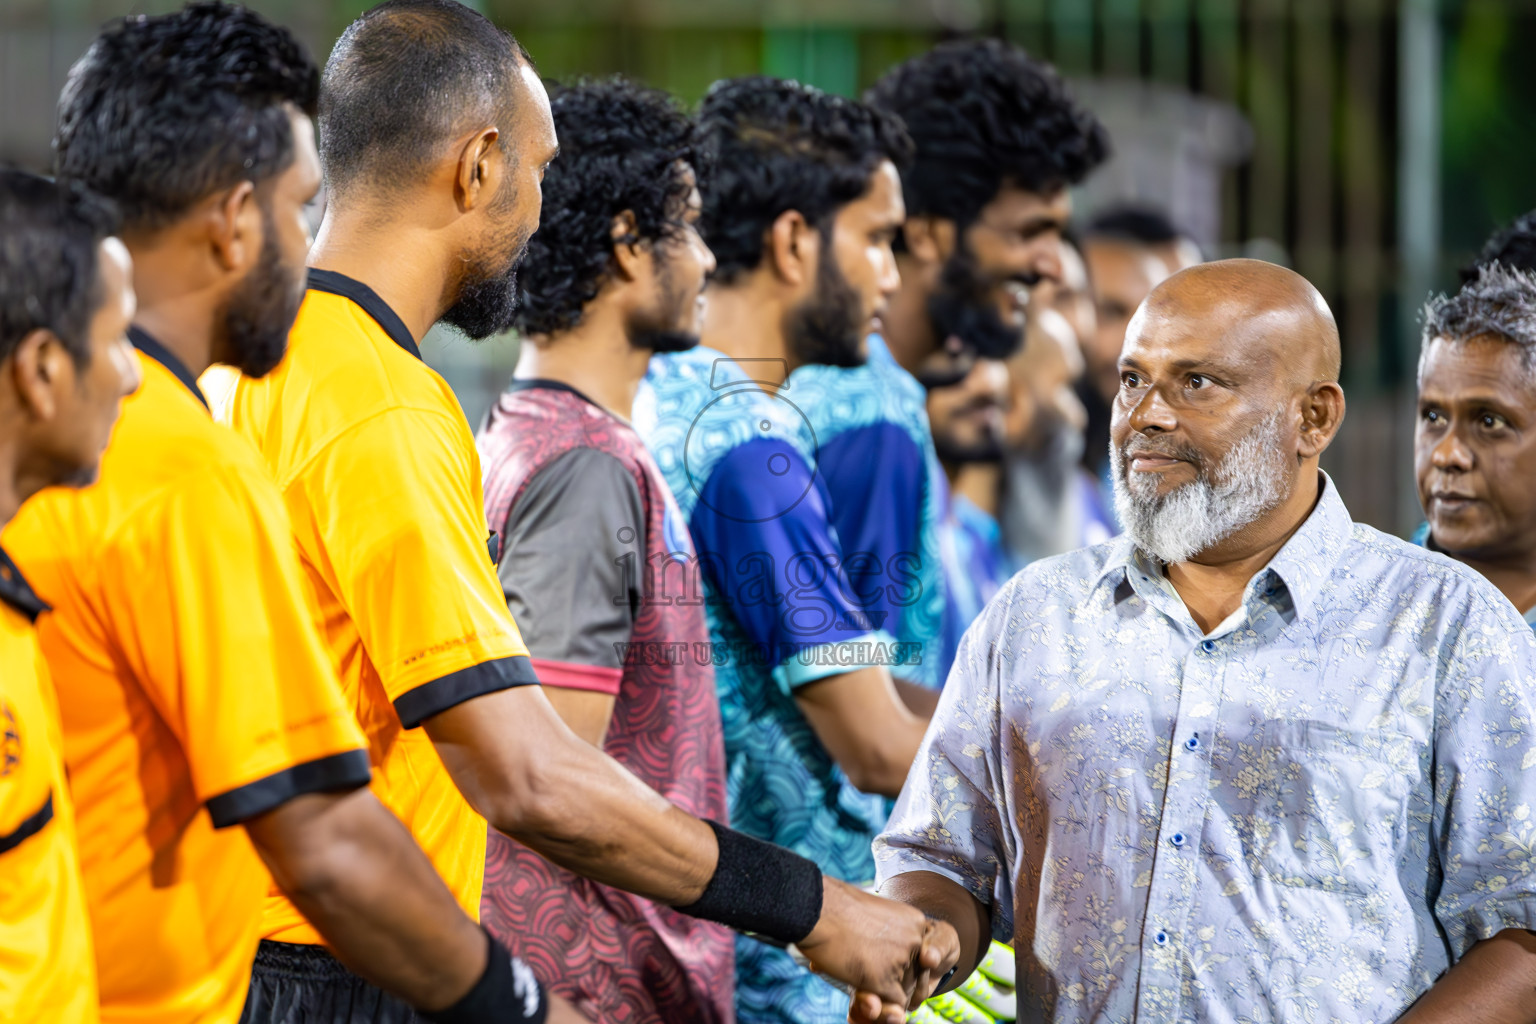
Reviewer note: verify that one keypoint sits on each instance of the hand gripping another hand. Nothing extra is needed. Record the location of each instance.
(987, 996)
(880, 947)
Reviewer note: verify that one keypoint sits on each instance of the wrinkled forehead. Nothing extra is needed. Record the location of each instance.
(1213, 332)
(1450, 365)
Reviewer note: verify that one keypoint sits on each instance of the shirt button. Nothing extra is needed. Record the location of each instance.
(1161, 938)
(1193, 743)
(1208, 646)
(1177, 839)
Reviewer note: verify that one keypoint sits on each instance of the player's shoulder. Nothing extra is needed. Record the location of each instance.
(878, 395)
(166, 433)
(344, 373)
(339, 352)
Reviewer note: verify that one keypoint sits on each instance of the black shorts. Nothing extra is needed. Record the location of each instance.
(298, 984)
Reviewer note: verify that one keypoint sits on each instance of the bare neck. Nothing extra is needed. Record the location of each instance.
(15, 487)
(978, 482)
(1211, 585)
(1515, 577)
(908, 329)
(595, 357)
(744, 322)
(402, 262)
(172, 307)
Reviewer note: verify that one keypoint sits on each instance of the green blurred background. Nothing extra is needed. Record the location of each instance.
(1372, 145)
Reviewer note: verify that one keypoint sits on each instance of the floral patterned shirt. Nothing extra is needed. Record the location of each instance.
(1306, 815)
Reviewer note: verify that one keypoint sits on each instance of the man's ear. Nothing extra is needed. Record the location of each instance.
(1322, 413)
(477, 176)
(629, 253)
(929, 240)
(41, 368)
(792, 248)
(235, 229)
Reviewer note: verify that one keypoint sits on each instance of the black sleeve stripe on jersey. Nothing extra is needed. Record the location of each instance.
(347, 770)
(29, 828)
(418, 705)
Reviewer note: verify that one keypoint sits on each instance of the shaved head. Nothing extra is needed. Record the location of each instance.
(403, 81)
(1255, 305)
(1228, 395)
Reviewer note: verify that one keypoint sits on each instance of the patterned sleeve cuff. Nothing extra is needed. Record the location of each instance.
(1487, 917)
(831, 659)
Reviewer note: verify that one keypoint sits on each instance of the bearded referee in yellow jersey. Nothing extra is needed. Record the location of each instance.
(204, 729)
(65, 301)
(434, 134)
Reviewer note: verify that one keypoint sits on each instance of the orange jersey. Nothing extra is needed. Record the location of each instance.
(194, 691)
(47, 972)
(379, 471)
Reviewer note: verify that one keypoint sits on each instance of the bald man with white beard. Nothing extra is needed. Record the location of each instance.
(1252, 760)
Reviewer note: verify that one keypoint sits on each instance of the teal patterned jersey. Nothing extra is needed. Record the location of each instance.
(875, 453)
(781, 614)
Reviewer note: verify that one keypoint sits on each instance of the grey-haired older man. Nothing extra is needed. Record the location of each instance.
(1475, 444)
(1252, 761)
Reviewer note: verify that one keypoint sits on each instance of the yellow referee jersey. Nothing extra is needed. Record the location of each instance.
(194, 694)
(379, 471)
(46, 968)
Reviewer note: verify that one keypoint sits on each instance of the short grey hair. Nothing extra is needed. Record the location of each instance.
(1500, 303)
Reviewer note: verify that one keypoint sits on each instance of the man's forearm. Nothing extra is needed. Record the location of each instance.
(355, 872)
(1495, 983)
(919, 699)
(522, 767)
(613, 829)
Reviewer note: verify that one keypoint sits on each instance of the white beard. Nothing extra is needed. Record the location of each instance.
(1252, 479)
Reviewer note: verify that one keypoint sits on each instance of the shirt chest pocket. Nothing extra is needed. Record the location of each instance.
(1332, 812)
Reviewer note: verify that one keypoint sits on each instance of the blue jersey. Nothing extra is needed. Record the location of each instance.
(782, 613)
(874, 452)
(975, 567)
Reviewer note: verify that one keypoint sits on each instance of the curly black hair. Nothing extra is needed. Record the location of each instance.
(49, 273)
(163, 111)
(774, 145)
(402, 80)
(982, 114)
(622, 147)
(1513, 246)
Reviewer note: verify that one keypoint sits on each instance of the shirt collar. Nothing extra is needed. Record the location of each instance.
(368, 299)
(165, 357)
(1301, 566)
(16, 592)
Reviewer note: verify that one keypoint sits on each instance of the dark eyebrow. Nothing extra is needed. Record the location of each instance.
(1182, 366)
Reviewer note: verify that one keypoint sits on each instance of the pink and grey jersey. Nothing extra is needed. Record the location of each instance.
(600, 574)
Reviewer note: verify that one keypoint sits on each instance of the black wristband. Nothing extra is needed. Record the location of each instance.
(507, 993)
(762, 888)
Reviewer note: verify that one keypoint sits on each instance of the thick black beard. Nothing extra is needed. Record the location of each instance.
(825, 330)
(486, 307)
(962, 306)
(261, 311)
(662, 341)
(954, 454)
(487, 302)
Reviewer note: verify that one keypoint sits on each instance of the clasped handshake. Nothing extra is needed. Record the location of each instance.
(890, 953)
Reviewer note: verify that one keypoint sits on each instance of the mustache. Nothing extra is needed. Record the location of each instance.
(979, 403)
(1141, 445)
